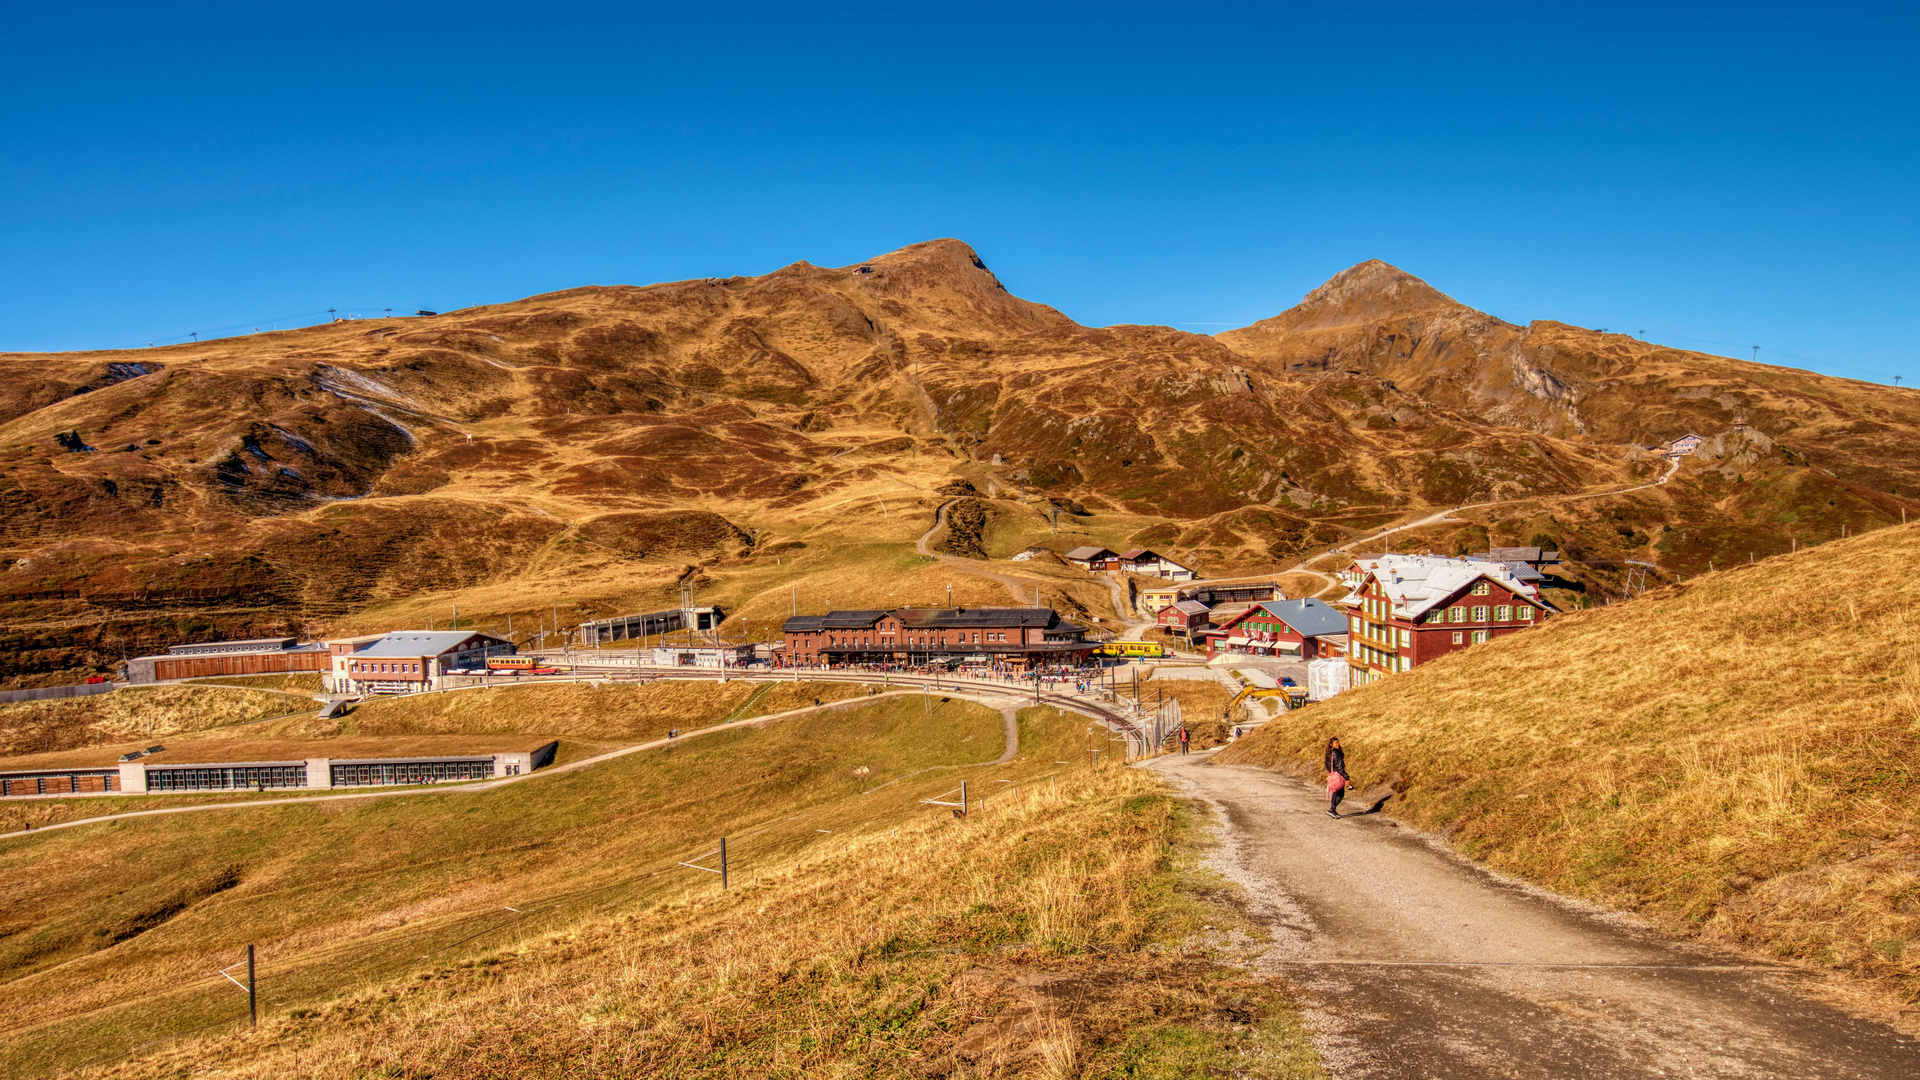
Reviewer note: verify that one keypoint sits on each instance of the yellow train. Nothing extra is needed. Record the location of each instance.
(1132, 649)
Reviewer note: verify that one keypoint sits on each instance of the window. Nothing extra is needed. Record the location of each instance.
(1457, 614)
(1459, 638)
(1355, 620)
(1406, 638)
(1480, 613)
(1503, 613)
(1524, 612)
(1482, 588)
(1480, 636)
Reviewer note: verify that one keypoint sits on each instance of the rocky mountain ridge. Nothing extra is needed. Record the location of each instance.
(300, 475)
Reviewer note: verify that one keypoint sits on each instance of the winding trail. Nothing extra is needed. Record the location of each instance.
(1305, 566)
(1419, 965)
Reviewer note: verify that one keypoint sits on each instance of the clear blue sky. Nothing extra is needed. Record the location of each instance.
(1719, 178)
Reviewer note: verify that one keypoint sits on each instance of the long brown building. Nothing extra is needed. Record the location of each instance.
(1026, 637)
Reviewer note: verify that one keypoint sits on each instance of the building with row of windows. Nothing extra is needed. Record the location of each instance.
(1407, 610)
(1022, 637)
(150, 771)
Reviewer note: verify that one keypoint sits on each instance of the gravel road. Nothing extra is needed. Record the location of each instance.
(1418, 964)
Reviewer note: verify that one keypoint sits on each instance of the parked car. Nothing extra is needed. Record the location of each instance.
(95, 680)
(1287, 680)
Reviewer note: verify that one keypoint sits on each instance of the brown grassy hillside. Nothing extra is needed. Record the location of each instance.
(546, 926)
(778, 438)
(1732, 758)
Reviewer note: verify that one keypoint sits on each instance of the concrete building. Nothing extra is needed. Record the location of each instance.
(147, 776)
(410, 661)
(668, 621)
(703, 656)
(339, 679)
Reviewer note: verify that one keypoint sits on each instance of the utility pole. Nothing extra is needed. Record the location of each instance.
(253, 995)
(1756, 354)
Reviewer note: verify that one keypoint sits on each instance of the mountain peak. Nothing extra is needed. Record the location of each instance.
(1375, 289)
(950, 286)
(1364, 293)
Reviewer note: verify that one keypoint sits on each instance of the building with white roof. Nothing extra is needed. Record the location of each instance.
(1409, 609)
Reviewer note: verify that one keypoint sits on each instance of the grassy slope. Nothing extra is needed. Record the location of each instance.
(134, 714)
(1733, 758)
(385, 933)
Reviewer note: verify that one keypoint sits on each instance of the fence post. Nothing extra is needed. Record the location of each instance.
(253, 1006)
(723, 864)
(963, 798)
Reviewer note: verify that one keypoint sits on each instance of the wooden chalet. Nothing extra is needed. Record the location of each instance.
(1092, 559)
(1185, 618)
(1287, 629)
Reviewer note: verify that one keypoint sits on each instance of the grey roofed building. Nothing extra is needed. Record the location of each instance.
(1310, 617)
(417, 643)
(1088, 554)
(1191, 607)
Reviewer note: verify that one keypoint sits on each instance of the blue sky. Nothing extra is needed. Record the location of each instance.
(1721, 177)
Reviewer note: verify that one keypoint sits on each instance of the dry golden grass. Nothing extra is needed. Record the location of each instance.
(405, 930)
(1030, 939)
(1731, 759)
(618, 712)
(294, 682)
(40, 728)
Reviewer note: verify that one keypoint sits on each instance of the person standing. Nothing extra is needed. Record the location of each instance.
(1184, 736)
(1337, 779)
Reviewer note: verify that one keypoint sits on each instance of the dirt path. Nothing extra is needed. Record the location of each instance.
(1016, 587)
(1305, 565)
(1418, 964)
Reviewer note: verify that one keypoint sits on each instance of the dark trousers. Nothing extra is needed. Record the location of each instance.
(1334, 797)
(1183, 746)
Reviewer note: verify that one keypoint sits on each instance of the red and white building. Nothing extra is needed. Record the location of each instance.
(1411, 609)
(1289, 629)
(1153, 564)
(1185, 618)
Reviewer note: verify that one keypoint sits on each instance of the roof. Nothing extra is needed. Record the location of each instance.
(801, 624)
(1174, 589)
(1136, 553)
(1416, 583)
(938, 618)
(236, 646)
(1524, 571)
(423, 643)
(1515, 554)
(1190, 607)
(852, 618)
(1085, 553)
(1309, 617)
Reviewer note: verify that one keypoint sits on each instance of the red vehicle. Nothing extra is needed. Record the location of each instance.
(543, 671)
(94, 680)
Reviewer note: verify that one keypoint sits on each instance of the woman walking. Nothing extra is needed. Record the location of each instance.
(1337, 779)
